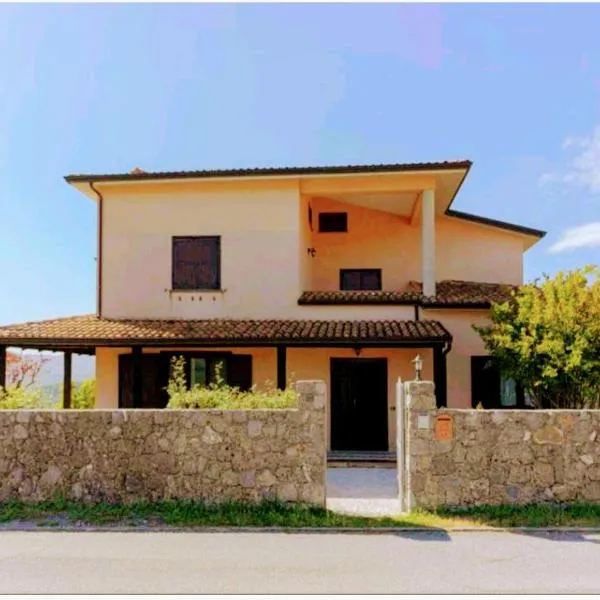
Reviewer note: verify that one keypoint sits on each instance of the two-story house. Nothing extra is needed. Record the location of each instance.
(337, 273)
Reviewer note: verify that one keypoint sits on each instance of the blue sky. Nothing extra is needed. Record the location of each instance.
(104, 88)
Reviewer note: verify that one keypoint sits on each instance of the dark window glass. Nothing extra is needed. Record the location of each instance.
(333, 222)
(197, 263)
(360, 279)
(490, 389)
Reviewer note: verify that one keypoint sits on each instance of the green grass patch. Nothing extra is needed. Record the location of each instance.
(278, 514)
(532, 515)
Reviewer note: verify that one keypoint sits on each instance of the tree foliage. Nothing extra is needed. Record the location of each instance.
(84, 394)
(14, 398)
(548, 338)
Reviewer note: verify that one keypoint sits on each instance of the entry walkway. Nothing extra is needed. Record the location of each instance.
(365, 492)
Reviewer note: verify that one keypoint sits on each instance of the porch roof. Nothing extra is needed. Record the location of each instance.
(88, 331)
(449, 294)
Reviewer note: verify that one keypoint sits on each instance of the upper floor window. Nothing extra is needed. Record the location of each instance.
(333, 222)
(360, 279)
(197, 263)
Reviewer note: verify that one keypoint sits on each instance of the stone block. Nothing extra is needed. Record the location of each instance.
(549, 434)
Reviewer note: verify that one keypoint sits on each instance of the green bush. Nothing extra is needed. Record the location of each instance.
(84, 394)
(15, 398)
(222, 396)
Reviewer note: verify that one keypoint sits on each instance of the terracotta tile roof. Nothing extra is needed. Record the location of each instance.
(448, 293)
(138, 173)
(466, 293)
(359, 297)
(89, 330)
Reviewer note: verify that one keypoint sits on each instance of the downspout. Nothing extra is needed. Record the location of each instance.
(416, 312)
(99, 259)
(447, 348)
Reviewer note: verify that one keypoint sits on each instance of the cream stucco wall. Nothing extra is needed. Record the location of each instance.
(466, 343)
(382, 240)
(265, 236)
(260, 245)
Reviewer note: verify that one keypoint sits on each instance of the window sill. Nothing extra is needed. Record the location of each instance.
(198, 291)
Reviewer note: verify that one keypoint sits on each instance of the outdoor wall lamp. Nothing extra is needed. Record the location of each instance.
(418, 362)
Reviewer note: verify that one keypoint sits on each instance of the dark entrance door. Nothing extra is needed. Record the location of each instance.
(359, 409)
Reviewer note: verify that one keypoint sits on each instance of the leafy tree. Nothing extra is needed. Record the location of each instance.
(547, 337)
(14, 398)
(84, 394)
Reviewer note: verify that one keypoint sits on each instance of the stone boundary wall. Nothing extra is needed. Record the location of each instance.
(469, 457)
(130, 455)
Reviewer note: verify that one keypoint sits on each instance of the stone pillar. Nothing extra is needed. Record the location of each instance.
(428, 242)
(313, 406)
(420, 401)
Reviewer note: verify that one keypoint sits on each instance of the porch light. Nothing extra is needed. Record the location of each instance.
(418, 362)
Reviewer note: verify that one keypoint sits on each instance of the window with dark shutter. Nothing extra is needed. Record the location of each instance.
(360, 279)
(333, 222)
(197, 263)
(490, 389)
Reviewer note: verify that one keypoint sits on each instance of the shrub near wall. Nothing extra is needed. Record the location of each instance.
(131, 455)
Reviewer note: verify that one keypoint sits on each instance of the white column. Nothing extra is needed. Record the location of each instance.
(428, 242)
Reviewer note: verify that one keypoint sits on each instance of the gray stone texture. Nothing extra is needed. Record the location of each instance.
(132, 455)
(503, 456)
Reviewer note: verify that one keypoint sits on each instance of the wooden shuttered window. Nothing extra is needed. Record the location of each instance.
(196, 263)
(237, 372)
(360, 279)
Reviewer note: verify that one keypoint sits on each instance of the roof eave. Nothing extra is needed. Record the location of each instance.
(274, 172)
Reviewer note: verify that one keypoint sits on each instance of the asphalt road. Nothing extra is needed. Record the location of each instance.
(151, 562)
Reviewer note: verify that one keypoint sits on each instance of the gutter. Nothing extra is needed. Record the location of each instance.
(99, 258)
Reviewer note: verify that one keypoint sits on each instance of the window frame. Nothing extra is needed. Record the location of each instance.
(483, 360)
(331, 215)
(217, 240)
(361, 271)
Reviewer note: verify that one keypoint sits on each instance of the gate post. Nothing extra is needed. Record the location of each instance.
(401, 444)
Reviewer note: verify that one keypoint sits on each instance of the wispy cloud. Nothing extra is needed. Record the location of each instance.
(584, 236)
(583, 165)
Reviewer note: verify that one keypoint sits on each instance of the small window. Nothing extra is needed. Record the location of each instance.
(360, 279)
(333, 222)
(197, 263)
(310, 220)
(207, 370)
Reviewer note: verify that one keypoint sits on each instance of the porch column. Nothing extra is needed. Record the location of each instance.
(2, 367)
(67, 355)
(281, 367)
(428, 242)
(136, 379)
(440, 376)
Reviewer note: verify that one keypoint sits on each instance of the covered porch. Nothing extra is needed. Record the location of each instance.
(359, 360)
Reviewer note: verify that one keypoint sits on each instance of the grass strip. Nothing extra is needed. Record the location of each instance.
(278, 514)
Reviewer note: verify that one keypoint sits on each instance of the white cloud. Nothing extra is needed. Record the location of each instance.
(545, 178)
(584, 236)
(583, 167)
